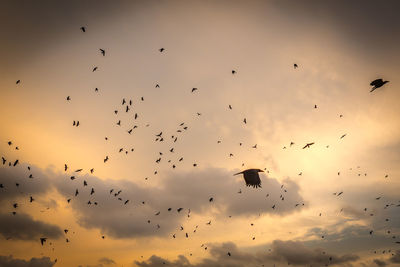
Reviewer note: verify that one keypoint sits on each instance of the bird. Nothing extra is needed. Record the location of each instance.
(251, 177)
(308, 145)
(42, 240)
(68, 98)
(94, 69)
(376, 84)
(343, 136)
(18, 81)
(103, 52)
(194, 89)
(295, 66)
(83, 29)
(233, 71)
(161, 49)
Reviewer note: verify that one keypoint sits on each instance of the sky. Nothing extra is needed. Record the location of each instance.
(335, 203)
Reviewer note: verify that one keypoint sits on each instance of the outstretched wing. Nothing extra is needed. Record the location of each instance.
(252, 179)
(376, 82)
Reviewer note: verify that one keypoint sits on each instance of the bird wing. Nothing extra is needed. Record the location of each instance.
(376, 82)
(252, 178)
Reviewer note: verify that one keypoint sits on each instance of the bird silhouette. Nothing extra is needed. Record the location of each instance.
(251, 177)
(308, 145)
(377, 84)
(43, 240)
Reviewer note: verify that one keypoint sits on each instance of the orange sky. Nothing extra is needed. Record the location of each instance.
(339, 51)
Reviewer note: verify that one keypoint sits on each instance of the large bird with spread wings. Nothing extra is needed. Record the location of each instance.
(251, 177)
(377, 83)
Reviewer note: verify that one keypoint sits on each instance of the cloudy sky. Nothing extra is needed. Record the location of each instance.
(335, 203)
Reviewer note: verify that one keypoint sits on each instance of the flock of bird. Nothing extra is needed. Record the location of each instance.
(251, 176)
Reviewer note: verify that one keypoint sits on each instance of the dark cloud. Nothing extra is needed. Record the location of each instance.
(187, 190)
(29, 28)
(106, 261)
(24, 227)
(288, 252)
(353, 238)
(372, 25)
(380, 262)
(9, 261)
(296, 253)
(9, 176)
(396, 257)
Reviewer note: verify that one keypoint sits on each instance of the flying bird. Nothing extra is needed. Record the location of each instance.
(308, 145)
(376, 84)
(251, 177)
(103, 52)
(83, 29)
(42, 240)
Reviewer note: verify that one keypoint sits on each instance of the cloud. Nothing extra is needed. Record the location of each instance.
(296, 253)
(187, 190)
(380, 263)
(396, 257)
(106, 261)
(9, 176)
(33, 262)
(352, 20)
(343, 236)
(24, 227)
(290, 252)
